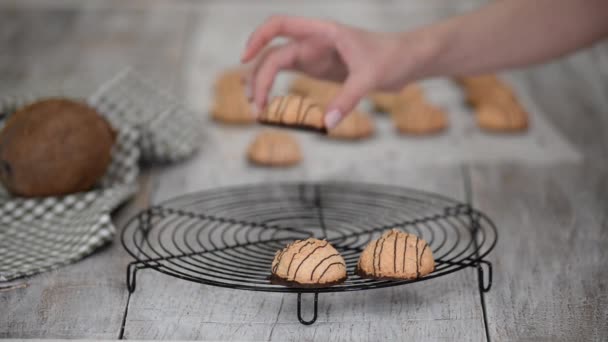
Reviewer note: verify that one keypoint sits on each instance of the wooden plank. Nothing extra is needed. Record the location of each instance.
(572, 91)
(550, 274)
(167, 308)
(81, 50)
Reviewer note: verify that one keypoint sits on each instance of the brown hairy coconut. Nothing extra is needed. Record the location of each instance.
(54, 147)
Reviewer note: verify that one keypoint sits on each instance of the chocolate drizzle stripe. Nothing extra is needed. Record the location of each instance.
(395, 255)
(421, 254)
(275, 115)
(279, 257)
(319, 264)
(294, 255)
(381, 248)
(299, 112)
(374, 257)
(303, 118)
(417, 259)
(284, 109)
(308, 256)
(328, 267)
(405, 250)
(380, 254)
(310, 106)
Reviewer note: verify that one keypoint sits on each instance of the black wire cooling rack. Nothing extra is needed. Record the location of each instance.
(228, 237)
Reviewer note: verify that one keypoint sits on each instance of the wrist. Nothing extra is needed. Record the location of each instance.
(423, 49)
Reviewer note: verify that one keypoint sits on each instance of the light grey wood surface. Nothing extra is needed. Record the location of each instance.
(165, 308)
(550, 270)
(68, 50)
(545, 190)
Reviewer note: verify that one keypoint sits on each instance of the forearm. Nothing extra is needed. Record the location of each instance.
(509, 33)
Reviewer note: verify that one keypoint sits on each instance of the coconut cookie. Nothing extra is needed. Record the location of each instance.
(310, 262)
(354, 126)
(54, 147)
(470, 82)
(496, 106)
(231, 105)
(322, 92)
(396, 255)
(501, 118)
(419, 118)
(294, 111)
(273, 148)
(387, 101)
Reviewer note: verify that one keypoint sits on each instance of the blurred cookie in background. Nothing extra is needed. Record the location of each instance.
(495, 104)
(355, 126)
(385, 102)
(419, 118)
(230, 103)
(274, 148)
(501, 118)
(295, 111)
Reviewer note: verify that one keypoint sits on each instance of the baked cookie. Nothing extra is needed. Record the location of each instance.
(501, 118)
(294, 111)
(419, 118)
(301, 85)
(231, 105)
(54, 147)
(495, 104)
(396, 255)
(274, 148)
(386, 101)
(496, 94)
(310, 262)
(479, 81)
(354, 126)
(322, 92)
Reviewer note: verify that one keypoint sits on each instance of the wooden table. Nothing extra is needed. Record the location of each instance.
(547, 190)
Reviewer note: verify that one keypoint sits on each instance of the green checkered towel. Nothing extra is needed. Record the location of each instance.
(43, 233)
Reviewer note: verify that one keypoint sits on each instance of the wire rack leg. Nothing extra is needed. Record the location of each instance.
(314, 317)
(131, 275)
(483, 285)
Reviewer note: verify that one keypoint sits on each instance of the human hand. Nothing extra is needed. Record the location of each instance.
(363, 60)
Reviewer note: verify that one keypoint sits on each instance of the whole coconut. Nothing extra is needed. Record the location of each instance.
(54, 147)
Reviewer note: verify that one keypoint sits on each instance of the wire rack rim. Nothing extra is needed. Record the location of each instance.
(232, 187)
(469, 261)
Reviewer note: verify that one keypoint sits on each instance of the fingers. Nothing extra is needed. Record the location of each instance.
(276, 59)
(354, 89)
(284, 26)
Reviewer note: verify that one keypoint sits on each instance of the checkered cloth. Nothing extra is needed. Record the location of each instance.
(43, 233)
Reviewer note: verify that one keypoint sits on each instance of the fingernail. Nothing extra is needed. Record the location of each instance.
(332, 118)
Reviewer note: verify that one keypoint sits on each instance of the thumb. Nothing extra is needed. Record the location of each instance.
(354, 89)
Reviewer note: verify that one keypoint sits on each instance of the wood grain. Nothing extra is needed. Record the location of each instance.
(81, 49)
(550, 275)
(574, 93)
(168, 308)
(550, 282)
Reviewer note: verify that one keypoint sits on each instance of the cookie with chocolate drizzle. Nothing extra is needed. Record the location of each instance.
(396, 255)
(309, 263)
(294, 111)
